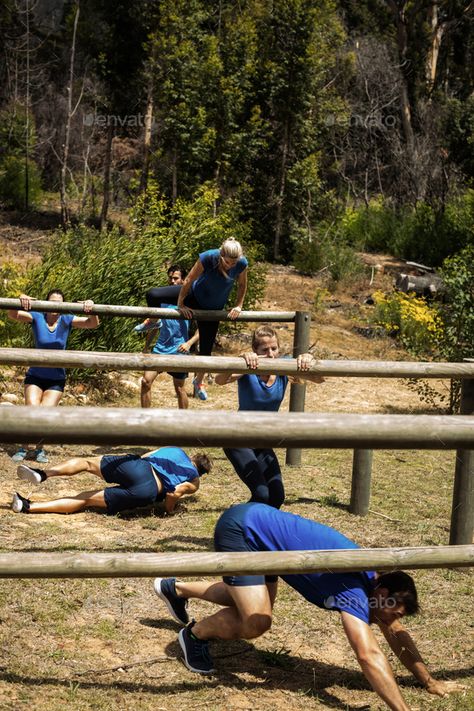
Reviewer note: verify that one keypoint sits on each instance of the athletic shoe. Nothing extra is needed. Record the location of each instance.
(20, 455)
(20, 504)
(166, 591)
(33, 476)
(148, 324)
(41, 456)
(196, 652)
(199, 391)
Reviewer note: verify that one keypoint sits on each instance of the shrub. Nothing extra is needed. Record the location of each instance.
(12, 284)
(118, 268)
(338, 260)
(13, 184)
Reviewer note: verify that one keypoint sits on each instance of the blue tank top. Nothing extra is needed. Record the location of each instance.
(254, 394)
(268, 529)
(173, 466)
(173, 333)
(212, 288)
(54, 340)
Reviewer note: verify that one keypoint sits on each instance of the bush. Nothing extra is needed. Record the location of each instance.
(338, 260)
(12, 284)
(13, 185)
(117, 268)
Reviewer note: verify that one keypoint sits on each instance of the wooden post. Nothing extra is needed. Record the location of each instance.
(462, 513)
(141, 565)
(361, 481)
(298, 392)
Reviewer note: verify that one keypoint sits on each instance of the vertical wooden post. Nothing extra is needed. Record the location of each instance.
(462, 512)
(361, 481)
(298, 392)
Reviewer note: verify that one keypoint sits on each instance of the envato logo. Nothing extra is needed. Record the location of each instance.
(332, 602)
(360, 121)
(106, 120)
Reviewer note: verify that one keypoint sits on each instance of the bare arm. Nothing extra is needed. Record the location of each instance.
(373, 661)
(187, 345)
(251, 361)
(405, 648)
(185, 489)
(195, 272)
(91, 321)
(22, 316)
(304, 362)
(241, 291)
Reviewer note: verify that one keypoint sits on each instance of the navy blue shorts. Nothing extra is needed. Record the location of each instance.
(137, 485)
(45, 384)
(229, 537)
(179, 376)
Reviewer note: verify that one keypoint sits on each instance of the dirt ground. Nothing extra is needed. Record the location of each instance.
(109, 644)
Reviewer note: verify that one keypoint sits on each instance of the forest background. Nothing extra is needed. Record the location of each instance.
(310, 130)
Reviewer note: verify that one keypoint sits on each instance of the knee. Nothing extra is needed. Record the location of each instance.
(256, 625)
(261, 495)
(145, 385)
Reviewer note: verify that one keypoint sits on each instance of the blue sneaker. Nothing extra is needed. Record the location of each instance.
(196, 652)
(199, 391)
(20, 455)
(41, 456)
(166, 591)
(148, 324)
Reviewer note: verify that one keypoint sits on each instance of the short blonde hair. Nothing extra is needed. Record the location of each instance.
(263, 331)
(231, 248)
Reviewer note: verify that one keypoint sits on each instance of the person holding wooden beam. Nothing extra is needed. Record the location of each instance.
(208, 286)
(174, 338)
(259, 469)
(164, 474)
(45, 386)
(361, 599)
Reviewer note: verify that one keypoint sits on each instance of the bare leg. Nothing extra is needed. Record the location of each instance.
(51, 398)
(73, 504)
(182, 395)
(76, 465)
(148, 379)
(33, 396)
(247, 612)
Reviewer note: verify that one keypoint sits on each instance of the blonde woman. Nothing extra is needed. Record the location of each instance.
(208, 286)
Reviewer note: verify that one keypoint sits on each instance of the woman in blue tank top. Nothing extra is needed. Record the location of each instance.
(259, 468)
(45, 386)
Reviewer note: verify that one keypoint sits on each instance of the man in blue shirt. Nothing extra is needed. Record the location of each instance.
(247, 600)
(173, 339)
(164, 474)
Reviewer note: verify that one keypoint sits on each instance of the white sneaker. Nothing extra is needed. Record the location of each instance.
(20, 504)
(33, 476)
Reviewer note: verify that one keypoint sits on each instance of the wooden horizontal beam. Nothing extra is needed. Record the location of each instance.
(217, 428)
(148, 312)
(138, 565)
(219, 364)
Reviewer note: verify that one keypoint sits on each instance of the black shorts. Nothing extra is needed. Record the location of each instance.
(229, 537)
(137, 485)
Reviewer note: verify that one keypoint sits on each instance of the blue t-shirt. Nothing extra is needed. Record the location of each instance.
(255, 394)
(54, 340)
(211, 289)
(268, 529)
(173, 466)
(173, 333)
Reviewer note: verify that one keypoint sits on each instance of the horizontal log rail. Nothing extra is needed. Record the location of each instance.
(67, 307)
(218, 428)
(138, 565)
(220, 364)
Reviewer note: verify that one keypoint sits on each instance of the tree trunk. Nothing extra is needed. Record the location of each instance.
(65, 215)
(107, 167)
(281, 194)
(147, 137)
(436, 35)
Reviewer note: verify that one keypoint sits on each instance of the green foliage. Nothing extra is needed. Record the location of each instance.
(325, 254)
(12, 284)
(13, 182)
(423, 234)
(117, 268)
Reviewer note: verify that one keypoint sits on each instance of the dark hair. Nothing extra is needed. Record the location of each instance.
(401, 587)
(203, 463)
(263, 331)
(55, 291)
(177, 268)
